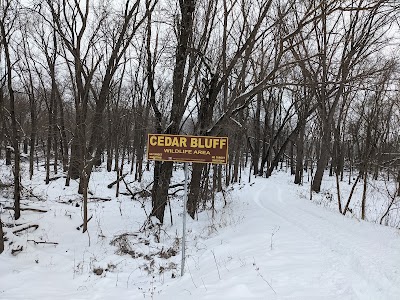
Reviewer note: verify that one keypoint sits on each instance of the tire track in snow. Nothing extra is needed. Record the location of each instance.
(374, 275)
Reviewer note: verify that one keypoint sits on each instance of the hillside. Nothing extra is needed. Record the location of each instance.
(266, 241)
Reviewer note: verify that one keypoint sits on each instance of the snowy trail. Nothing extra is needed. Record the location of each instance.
(316, 253)
(355, 252)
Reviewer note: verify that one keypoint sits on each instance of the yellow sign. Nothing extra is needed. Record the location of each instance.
(186, 148)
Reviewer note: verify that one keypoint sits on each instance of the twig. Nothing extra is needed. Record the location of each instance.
(18, 249)
(203, 283)
(274, 231)
(219, 275)
(80, 226)
(176, 185)
(100, 199)
(43, 242)
(31, 194)
(174, 192)
(27, 208)
(257, 269)
(133, 197)
(116, 181)
(133, 194)
(192, 277)
(55, 178)
(262, 277)
(25, 228)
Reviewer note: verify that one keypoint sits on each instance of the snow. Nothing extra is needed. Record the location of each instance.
(316, 254)
(268, 242)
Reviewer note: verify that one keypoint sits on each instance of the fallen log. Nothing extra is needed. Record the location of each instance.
(27, 208)
(116, 181)
(80, 226)
(56, 177)
(99, 199)
(174, 192)
(17, 250)
(43, 242)
(26, 228)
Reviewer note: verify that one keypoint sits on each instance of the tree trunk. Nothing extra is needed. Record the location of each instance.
(50, 128)
(32, 139)
(8, 156)
(55, 135)
(219, 178)
(194, 188)
(14, 130)
(64, 142)
(85, 183)
(109, 140)
(25, 149)
(338, 192)
(291, 159)
(163, 176)
(236, 162)
(77, 156)
(1, 237)
(364, 195)
(298, 178)
(323, 159)
(141, 144)
(257, 134)
(160, 189)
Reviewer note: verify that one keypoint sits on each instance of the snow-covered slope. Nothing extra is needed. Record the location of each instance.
(267, 243)
(288, 248)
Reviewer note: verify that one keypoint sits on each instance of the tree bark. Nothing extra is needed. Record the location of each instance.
(323, 158)
(163, 172)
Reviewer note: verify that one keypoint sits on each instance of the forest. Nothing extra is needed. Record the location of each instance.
(310, 87)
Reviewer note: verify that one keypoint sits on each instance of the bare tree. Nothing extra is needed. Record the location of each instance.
(7, 23)
(180, 81)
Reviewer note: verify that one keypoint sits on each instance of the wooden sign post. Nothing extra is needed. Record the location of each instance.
(187, 148)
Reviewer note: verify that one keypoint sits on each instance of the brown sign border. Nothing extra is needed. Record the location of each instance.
(188, 161)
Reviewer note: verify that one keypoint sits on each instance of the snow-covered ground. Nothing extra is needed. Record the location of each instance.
(268, 242)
